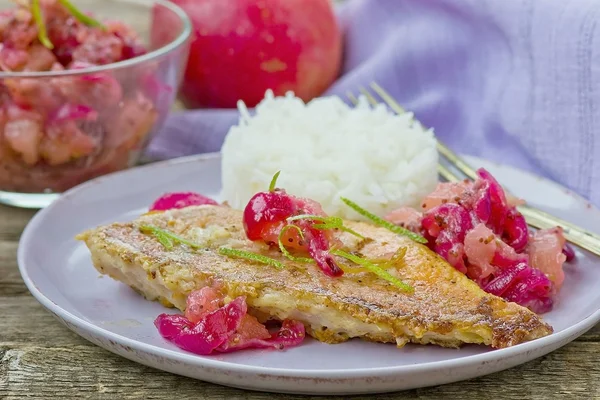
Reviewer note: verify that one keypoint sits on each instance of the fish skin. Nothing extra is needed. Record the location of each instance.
(445, 309)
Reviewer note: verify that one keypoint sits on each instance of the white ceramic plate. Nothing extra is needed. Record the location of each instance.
(58, 272)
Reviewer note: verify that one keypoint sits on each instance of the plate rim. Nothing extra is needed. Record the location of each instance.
(565, 335)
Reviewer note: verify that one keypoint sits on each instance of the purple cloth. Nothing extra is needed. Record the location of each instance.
(514, 81)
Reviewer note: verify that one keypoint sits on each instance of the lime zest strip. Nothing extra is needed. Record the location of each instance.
(383, 223)
(248, 255)
(80, 16)
(327, 223)
(380, 272)
(355, 269)
(36, 12)
(167, 238)
(274, 181)
(397, 259)
(399, 256)
(285, 251)
(164, 240)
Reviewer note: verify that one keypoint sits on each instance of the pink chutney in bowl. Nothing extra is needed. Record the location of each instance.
(81, 90)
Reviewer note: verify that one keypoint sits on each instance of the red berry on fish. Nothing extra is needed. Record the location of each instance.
(170, 201)
(266, 214)
(265, 210)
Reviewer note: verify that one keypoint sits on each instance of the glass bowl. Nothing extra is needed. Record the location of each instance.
(61, 128)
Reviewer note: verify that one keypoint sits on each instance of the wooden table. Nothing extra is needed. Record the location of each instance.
(41, 359)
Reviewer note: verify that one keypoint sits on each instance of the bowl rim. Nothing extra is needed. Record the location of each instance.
(180, 40)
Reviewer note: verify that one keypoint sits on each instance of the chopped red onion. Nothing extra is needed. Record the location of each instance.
(291, 334)
(170, 201)
(225, 329)
(206, 335)
(569, 252)
(509, 273)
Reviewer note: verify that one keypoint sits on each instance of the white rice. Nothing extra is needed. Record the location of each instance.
(325, 150)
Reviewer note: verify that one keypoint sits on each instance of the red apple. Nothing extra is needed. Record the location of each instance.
(241, 48)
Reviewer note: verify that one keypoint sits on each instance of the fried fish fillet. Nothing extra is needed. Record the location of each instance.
(446, 308)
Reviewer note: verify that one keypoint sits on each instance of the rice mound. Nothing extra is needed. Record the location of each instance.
(325, 150)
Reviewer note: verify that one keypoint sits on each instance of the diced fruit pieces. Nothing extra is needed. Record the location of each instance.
(24, 136)
(209, 326)
(170, 201)
(545, 251)
(477, 230)
(266, 214)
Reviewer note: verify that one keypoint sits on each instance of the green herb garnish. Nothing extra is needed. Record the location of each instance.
(380, 272)
(161, 237)
(283, 248)
(327, 223)
(167, 238)
(248, 255)
(274, 181)
(36, 12)
(386, 224)
(80, 16)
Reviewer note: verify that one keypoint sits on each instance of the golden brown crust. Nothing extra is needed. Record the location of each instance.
(446, 308)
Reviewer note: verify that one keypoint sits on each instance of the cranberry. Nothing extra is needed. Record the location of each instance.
(266, 215)
(265, 210)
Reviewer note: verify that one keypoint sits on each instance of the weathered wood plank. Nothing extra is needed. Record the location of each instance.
(24, 321)
(12, 222)
(85, 371)
(11, 283)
